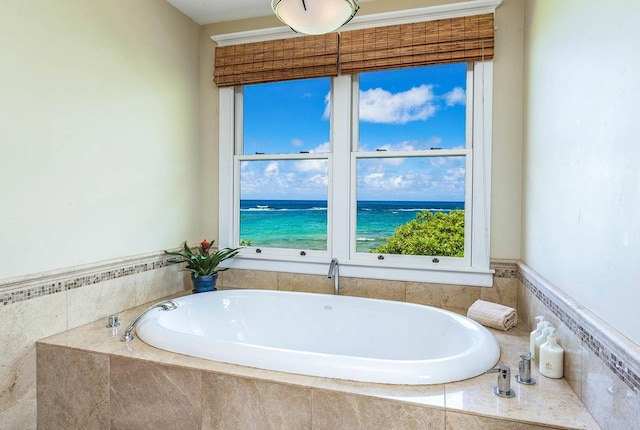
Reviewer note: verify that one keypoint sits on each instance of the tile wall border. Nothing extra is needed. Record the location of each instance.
(617, 352)
(504, 268)
(19, 289)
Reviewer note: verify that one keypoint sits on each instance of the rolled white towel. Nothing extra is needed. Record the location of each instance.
(493, 315)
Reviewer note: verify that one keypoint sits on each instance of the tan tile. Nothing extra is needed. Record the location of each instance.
(458, 421)
(233, 403)
(442, 295)
(574, 353)
(305, 283)
(73, 389)
(524, 316)
(149, 395)
(373, 288)
(254, 279)
(96, 301)
(21, 416)
(610, 401)
(155, 284)
(339, 411)
(422, 395)
(504, 291)
(23, 323)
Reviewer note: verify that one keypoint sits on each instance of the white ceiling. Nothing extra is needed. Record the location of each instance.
(210, 11)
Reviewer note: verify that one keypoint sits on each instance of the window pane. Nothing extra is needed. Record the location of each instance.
(413, 109)
(286, 117)
(283, 204)
(397, 197)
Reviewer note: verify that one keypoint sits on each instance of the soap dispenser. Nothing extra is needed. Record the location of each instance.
(551, 357)
(532, 337)
(542, 338)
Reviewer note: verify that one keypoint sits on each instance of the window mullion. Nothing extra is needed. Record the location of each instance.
(226, 133)
(339, 205)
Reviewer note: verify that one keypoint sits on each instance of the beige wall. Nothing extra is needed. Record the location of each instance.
(507, 126)
(581, 182)
(99, 113)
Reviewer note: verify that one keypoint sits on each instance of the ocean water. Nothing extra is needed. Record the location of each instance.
(302, 224)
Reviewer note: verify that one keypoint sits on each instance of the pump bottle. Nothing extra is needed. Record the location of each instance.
(542, 338)
(532, 337)
(551, 357)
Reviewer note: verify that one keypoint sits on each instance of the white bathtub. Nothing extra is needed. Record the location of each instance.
(324, 335)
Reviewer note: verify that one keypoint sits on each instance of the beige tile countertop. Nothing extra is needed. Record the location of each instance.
(548, 403)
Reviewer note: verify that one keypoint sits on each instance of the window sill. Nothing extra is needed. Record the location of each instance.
(455, 275)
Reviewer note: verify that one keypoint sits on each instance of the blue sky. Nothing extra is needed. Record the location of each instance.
(399, 110)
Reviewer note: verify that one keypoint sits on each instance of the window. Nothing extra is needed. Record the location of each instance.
(330, 167)
(352, 166)
(410, 163)
(282, 170)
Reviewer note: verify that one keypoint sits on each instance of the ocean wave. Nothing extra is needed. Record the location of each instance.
(422, 210)
(270, 209)
(366, 239)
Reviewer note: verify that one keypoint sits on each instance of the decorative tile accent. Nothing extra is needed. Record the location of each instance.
(625, 367)
(38, 286)
(60, 281)
(504, 268)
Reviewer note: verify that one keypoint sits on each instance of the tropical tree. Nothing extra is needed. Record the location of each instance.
(438, 233)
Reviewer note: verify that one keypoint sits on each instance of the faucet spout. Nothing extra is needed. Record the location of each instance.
(334, 271)
(167, 305)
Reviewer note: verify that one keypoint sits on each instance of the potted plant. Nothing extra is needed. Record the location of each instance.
(202, 264)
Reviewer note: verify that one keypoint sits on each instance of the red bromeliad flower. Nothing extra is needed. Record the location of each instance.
(205, 246)
(201, 263)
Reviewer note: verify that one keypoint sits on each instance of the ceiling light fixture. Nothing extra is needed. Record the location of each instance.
(315, 16)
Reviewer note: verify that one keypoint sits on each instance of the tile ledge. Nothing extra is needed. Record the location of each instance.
(90, 338)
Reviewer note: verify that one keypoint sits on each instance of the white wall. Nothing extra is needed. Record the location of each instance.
(98, 131)
(581, 212)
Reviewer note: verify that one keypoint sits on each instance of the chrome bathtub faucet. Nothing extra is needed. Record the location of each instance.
(167, 305)
(334, 271)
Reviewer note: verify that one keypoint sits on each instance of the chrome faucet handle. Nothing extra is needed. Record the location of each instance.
(112, 321)
(503, 389)
(524, 370)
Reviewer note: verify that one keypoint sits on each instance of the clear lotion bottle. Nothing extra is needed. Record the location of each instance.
(551, 357)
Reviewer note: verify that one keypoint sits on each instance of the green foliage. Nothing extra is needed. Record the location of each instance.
(202, 262)
(244, 242)
(438, 234)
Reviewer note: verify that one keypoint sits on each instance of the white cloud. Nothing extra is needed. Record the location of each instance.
(381, 106)
(327, 106)
(271, 169)
(406, 145)
(322, 148)
(297, 142)
(311, 166)
(382, 182)
(454, 175)
(456, 96)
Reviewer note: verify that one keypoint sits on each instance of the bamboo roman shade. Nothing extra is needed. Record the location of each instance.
(277, 60)
(452, 40)
(443, 41)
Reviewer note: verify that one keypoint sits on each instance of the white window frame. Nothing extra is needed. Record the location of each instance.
(472, 270)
